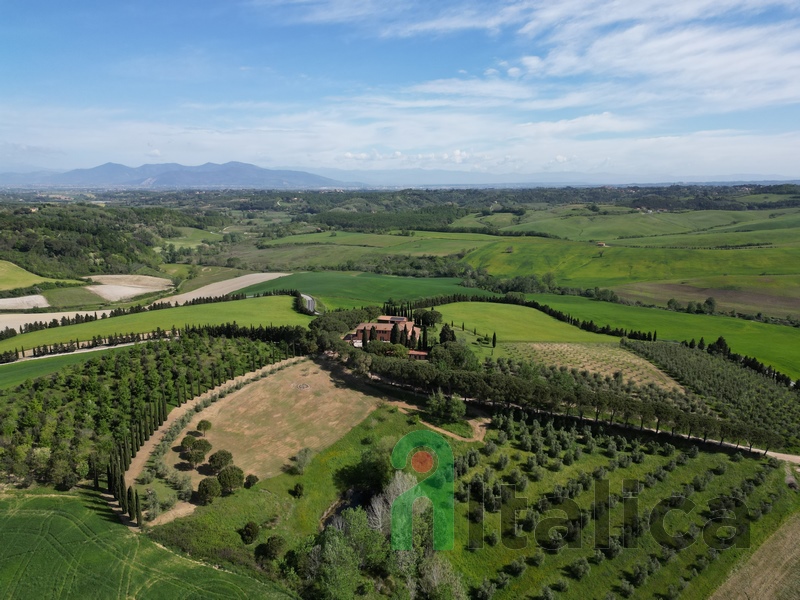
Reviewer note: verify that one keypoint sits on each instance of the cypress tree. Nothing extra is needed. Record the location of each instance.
(138, 510)
(110, 479)
(131, 504)
(95, 474)
(126, 453)
(123, 497)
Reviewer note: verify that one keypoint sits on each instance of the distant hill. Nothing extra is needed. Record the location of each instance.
(172, 175)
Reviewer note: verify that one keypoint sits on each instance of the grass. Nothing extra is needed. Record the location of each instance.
(583, 264)
(306, 251)
(13, 374)
(346, 290)
(577, 223)
(192, 237)
(13, 277)
(275, 310)
(514, 323)
(73, 297)
(776, 345)
(71, 545)
(266, 423)
(206, 275)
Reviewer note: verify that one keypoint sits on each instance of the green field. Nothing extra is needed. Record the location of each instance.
(193, 237)
(352, 289)
(682, 228)
(776, 345)
(205, 275)
(71, 545)
(73, 297)
(583, 264)
(15, 373)
(13, 277)
(580, 224)
(327, 250)
(514, 323)
(276, 310)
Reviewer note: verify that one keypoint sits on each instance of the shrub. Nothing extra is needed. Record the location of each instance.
(517, 567)
(626, 589)
(250, 481)
(272, 549)
(580, 568)
(489, 448)
(486, 590)
(301, 461)
(249, 532)
(503, 579)
(502, 461)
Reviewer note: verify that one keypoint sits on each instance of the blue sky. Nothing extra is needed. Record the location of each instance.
(644, 89)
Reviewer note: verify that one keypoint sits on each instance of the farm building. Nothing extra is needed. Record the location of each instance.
(382, 330)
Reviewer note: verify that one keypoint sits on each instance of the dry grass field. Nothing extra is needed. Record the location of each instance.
(595, 358)
(265, 423)
(772, 573)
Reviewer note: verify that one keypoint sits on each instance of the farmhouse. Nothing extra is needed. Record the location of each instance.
(382, 329)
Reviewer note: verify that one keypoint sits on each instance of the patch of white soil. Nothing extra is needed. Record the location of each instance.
(24, 302)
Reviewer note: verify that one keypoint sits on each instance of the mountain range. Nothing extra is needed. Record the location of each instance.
(172, 175)
(243, 175)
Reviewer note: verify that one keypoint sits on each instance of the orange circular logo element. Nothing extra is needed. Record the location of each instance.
(422, 461)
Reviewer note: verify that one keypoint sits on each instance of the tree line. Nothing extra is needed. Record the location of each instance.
(65, 427)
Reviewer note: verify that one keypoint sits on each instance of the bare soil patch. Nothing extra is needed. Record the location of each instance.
(772, 572)
(266, 423)
(24, 302)
(123, 287)
(16, 320)
(224, 287)
(598, 358)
